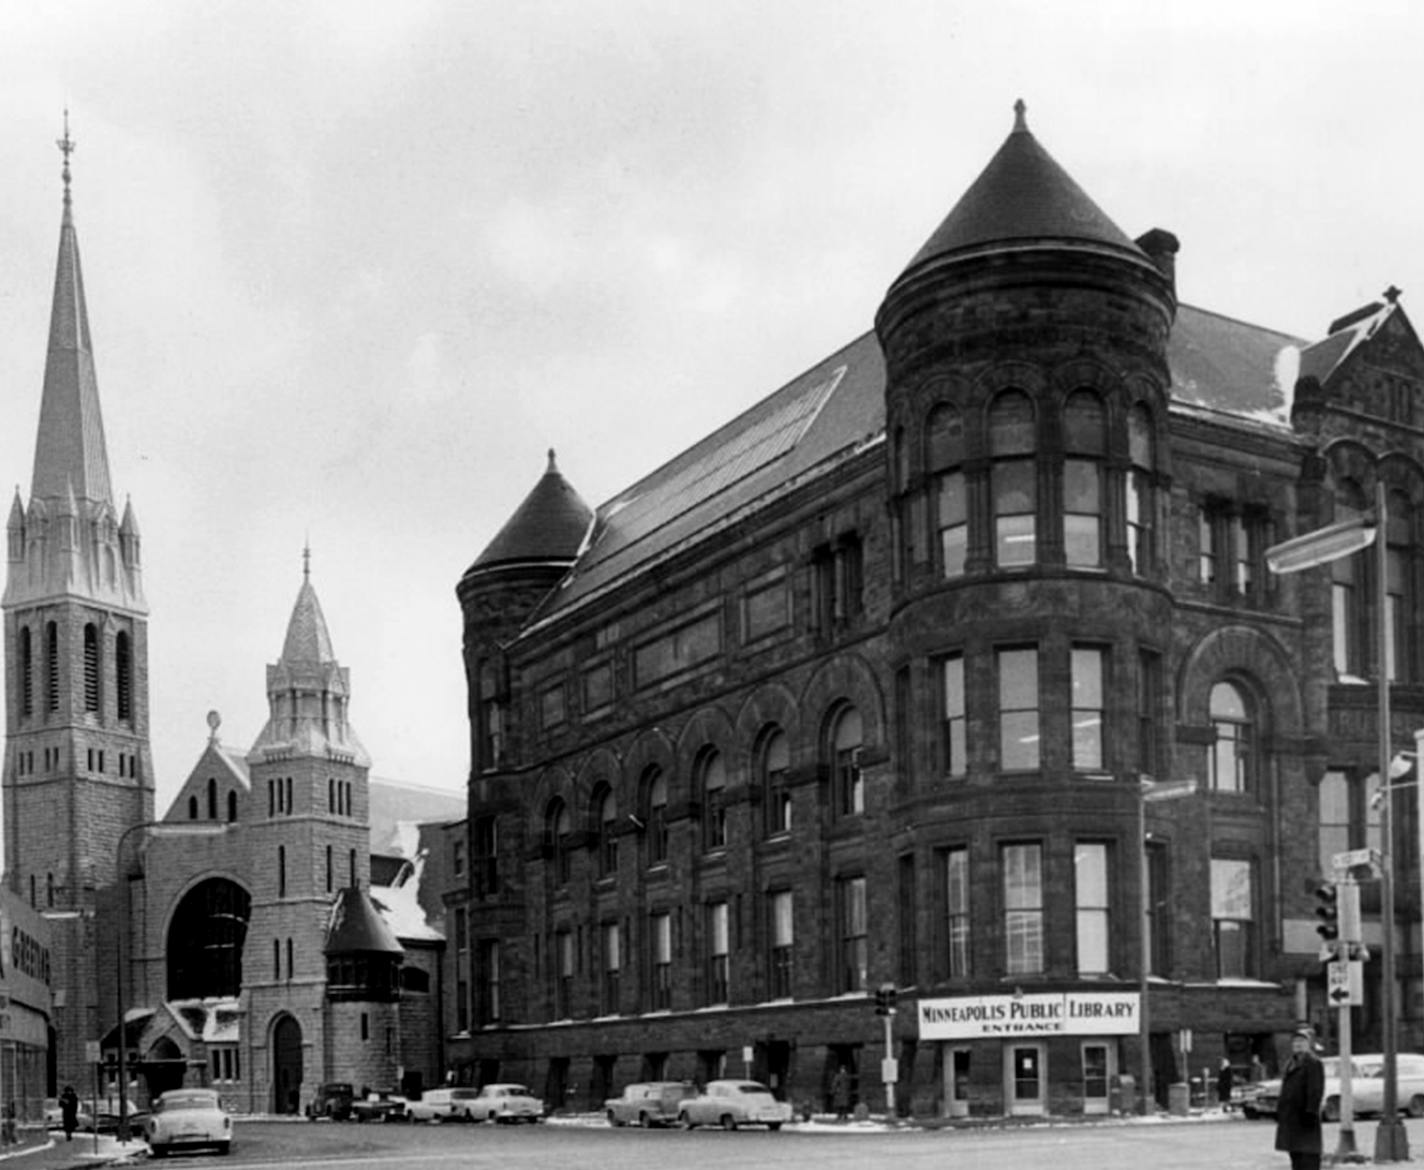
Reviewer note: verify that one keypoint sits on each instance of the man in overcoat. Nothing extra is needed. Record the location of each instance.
(1298, 1107)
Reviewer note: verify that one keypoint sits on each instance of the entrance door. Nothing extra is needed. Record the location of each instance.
(956, 1082)
(286, 1066)
(1097, 1076)
(1025, 1078)
(773, 1065)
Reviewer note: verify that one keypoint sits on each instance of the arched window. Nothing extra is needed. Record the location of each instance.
(27, 673)
(123, 675)
(847, 780)
(557, 828)
(773, 768)
(655, 784)
(1084, 444)
(944, 458)
(1347, 606)
(330, 871)
(1233, 754)
(1013, 479)
(205, 939)
(1141, 500)
(1399, 588)
(91, 667)
(192, 808)
(330, 794)
(605, 806)
(712, 784)
(231, 807)
(52, 666)
(281, 871)
(212, 799)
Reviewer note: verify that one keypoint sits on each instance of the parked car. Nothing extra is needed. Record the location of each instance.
(188, 1119)
(438, 1105)
(332, 1100)
(505, 1103)
(379, 1105)
(648, 1103)
(733, 1103)
(1366, 1087)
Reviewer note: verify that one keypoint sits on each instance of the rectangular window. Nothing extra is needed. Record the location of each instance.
(765, 611)
(1139, 522)
(1149, 712)
(612, 967)
(660, 960)
(1018, 709)
(552, 710)
(852, 933)
(956, 905)
(782, 935)
(954, 733)
(909, 932)
(1335, 818)
(1090, 888)
(457, 857)
(597, 688)
(1022, 867)
(1397, 665)
(718, 948)
(1088, 706)
(486, 849)
(1232, 917)
(953, 524)
(1345, 617)
(462, 971)
(1015, 491)
(1207, 542)
(563, 974)
(489, 1006)
(1082, 513)
(903, 722)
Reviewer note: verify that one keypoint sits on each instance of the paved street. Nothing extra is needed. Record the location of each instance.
(1208, 1143)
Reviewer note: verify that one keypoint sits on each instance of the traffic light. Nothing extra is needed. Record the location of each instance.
(885, 999)
(1327, 910)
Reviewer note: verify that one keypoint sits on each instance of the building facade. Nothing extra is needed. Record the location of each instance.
(238, 935)
(879, 685)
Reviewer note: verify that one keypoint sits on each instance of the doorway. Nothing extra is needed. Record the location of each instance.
(956, 1082)
(1025, 1079)
(286, 1066)
(1098, 1071)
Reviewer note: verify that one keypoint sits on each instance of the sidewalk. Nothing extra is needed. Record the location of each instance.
(41, 1150)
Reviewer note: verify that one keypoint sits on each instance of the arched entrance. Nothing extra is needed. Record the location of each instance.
(163, 1067)
(286, 1065)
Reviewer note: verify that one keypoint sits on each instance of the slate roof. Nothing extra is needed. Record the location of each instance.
(836, 409)
(356, 927)
(1324, 357)
(550, 525)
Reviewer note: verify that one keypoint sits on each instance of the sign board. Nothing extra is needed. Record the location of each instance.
(889, 1070)
(1069, 1013)
(91, 1052)
(1353, 857)
(1345, 984)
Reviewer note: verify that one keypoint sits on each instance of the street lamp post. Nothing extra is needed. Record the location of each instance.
(1320, 547)
(156, 829)
(1149, 792)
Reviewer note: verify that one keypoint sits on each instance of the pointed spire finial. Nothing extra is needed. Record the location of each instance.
(1020, 122)
(1392, 294)
(66, 147)
(306, 560)
(552, 466)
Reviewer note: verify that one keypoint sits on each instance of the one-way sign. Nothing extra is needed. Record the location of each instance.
(1344, 984)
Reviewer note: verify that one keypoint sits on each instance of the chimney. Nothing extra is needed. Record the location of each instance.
(1161, 247)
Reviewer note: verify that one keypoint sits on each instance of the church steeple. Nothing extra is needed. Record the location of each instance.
(70, 450)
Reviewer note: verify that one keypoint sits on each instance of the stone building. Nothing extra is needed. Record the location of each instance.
(239, 934)
(879, 683)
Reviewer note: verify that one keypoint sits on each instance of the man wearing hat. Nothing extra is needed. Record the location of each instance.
(1298, 1107)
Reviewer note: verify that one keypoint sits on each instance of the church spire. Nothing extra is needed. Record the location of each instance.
(70, 446)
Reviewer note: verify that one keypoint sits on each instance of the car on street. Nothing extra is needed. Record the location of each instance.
(1366, 1087)
(379, 1105)
(505, 1102)
(734, 1103)
(648, 1103)
(454, 1104)
(333, 1099)
(185, 1119)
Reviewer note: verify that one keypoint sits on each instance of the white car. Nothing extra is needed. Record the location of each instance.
(188, 1119)
(504, 1103)
(733, 1103)
(443, 1105)
(1366, 1087)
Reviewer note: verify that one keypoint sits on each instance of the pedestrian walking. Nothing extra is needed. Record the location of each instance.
(840, 1093)
(69, 1111)
(1298, 1106)
(1225, 1079)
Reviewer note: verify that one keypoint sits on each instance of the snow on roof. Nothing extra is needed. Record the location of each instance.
(399, 905)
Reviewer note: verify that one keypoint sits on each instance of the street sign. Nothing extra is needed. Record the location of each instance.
(91, 1052)
(1337, 990)
(1353, 857)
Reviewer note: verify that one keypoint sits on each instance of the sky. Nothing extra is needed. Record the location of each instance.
(354, 266)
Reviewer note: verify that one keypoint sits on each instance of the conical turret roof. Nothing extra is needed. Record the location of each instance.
(356, 927)
(550, 525)
(308, 642)
(1023, 196)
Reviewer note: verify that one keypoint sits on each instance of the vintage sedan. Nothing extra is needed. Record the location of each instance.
(184, 1119)
(505, 1103)
(439, 1105)
(733, 1103)
(379, 1105)
(648, 1103)
(1366, 1087)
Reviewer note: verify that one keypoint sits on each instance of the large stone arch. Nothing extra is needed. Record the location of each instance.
(708, 727)
(846, 678)
(284, 1043)
(204, 939)
(601, 767)
(772, 703)
(1244, 652)
(652, 748)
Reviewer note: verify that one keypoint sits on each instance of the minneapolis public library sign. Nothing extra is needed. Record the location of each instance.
(1064, 1013)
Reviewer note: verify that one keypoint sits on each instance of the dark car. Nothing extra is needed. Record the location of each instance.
(333, 1100)
(379, 1105)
